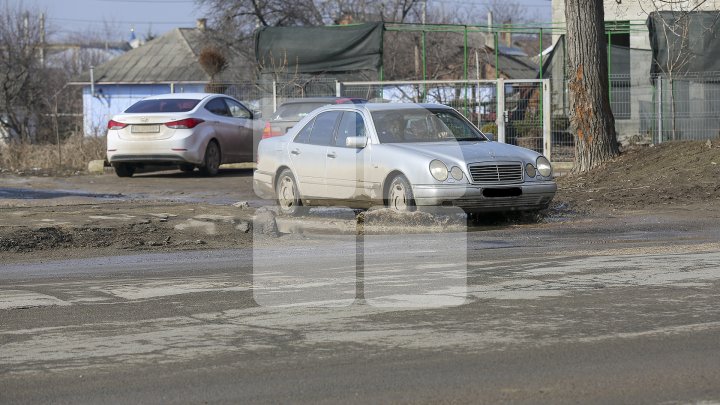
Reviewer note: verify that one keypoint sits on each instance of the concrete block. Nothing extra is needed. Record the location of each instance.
(96, 167)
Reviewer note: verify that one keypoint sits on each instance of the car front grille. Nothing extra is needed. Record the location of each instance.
(501, 173)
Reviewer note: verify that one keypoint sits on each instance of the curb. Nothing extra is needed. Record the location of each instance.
(96, 167)
(249, 165)
(100, 166)
(561, 168)
(315, 226)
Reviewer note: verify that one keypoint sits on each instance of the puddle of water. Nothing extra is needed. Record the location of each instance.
(30, 194)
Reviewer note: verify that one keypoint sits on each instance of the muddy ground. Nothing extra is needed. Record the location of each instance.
(672, 174)
(95, 215)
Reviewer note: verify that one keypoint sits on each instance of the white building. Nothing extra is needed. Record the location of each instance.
(632, 90)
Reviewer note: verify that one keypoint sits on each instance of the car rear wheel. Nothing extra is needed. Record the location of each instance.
(124, 169)
(288, 195)
(399, 195)
(211, 163)
(186, 168)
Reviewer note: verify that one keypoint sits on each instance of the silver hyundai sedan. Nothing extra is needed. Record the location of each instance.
(400, 155)
(185, 130)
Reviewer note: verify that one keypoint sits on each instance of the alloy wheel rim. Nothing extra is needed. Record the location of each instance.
(397, 197)
(287, 192)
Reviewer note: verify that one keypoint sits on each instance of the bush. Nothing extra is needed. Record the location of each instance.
(489, 127)
(75, 152)
(529, 127)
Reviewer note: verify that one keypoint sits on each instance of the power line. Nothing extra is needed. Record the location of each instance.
(147, 1)
(122, 22)
(487, 3)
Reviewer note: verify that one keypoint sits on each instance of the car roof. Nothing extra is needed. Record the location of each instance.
(390, 106)
(329, 100)
(187, 96)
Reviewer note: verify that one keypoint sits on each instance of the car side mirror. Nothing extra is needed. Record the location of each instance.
(256, 114)
(489, 135)
(357, 142)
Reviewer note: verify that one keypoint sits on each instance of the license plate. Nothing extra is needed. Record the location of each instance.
(144, 129)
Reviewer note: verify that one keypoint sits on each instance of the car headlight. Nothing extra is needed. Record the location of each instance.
(530, 170)
(456, 173)
(544, 167)
(438, 170)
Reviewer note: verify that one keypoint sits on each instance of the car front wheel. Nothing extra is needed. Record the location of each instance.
(399, 195)
(211, 163)
(288, 196)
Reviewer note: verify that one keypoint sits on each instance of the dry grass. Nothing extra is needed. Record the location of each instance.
(75, 153)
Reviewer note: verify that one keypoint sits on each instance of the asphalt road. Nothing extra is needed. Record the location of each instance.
(622, 309)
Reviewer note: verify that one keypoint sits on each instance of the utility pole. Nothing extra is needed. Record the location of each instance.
(42, 39)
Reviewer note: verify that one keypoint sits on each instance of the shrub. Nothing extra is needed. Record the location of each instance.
(74, 155)
(489, 127)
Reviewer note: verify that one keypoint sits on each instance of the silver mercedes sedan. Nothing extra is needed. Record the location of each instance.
(401, 155)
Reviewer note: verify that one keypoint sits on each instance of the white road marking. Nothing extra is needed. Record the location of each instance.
(16, 299)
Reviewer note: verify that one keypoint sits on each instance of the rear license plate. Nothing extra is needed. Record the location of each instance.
(144, 129)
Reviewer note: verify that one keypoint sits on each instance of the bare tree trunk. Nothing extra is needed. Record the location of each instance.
(590, 116)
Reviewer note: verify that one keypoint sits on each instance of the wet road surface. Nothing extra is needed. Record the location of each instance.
(622, 309)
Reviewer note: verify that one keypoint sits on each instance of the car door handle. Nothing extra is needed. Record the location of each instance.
(295, 151)
(331, 155)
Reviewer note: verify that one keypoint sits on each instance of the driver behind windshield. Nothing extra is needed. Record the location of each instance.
(390, 128)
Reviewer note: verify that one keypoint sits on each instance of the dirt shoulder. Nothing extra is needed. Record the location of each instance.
(82, 230)
(669, 175)
(96, 215)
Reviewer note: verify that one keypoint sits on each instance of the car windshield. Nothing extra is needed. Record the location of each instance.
(423, 125)
(295, 111)
(169, 105)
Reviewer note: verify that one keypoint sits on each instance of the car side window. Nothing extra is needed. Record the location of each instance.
(351, 125)
(218, 107)
(237, 110)
(324, 128)
(304, 135)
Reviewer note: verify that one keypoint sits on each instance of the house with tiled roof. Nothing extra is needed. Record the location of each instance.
(167, 64)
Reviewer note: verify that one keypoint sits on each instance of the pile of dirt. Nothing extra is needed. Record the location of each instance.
(643, 177)
(53, 237)
(96, 222)
(387, 216)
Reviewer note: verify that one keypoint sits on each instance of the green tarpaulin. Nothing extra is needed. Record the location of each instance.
(684, 42)
(311, 50)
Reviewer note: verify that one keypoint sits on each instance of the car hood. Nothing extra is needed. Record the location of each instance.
(468, 152)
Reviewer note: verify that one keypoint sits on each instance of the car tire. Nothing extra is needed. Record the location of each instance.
(186, 168)
(211, 162)
(124, 169)
(400, 195)
(288, 194)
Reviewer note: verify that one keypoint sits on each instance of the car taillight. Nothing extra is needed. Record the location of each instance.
(268, 131)
(116, 125)
(187, 123)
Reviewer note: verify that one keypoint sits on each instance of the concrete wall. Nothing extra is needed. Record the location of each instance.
(635, 11)
(641, 89)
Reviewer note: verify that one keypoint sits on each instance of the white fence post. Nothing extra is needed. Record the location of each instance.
(274, 95)
(500, 110)
(659, 108)
(338, 89)
(547, 116)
